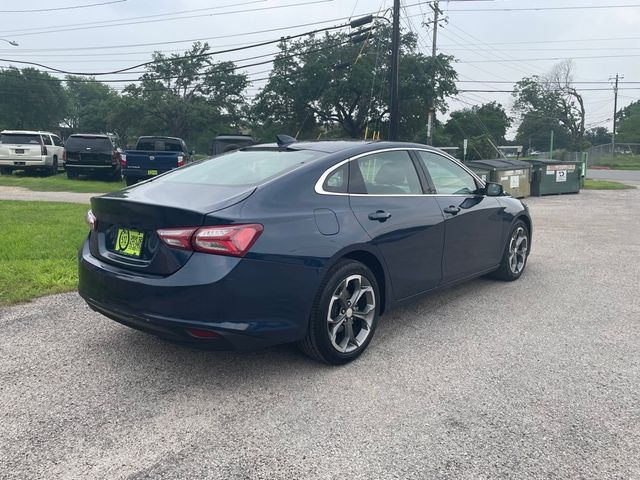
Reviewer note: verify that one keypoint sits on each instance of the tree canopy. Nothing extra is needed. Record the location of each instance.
(318, 84)
(484, 126)
(628, 129)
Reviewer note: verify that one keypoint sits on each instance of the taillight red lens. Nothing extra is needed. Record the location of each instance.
(180, 161)
(177, 237)
(43, 150)
(234, 240)
(123, 161)
(114, 157)
(64, 155)
(199, 333)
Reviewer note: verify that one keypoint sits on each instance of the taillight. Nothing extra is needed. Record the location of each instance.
(64, 155)
(180, 160)
(43, 150)
(177, 237)
(91, 220)
(114, 158)
(233, 240)
(123, 161)
(200, 333)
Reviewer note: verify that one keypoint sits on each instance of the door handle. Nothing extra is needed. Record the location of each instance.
(452, 209)
(380, 216)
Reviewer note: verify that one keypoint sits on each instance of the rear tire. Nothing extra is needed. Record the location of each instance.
(6, 171)
(130, 181)
(516, 253)
(344, 315)
(71, 175)
(54, 167)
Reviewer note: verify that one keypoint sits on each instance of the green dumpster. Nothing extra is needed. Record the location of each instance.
(552, 177)
(513, 175)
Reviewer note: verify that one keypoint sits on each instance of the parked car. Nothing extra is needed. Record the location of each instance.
(30, 150)
(230, 142)
(93, 154)
(296, 242)
(153, 156)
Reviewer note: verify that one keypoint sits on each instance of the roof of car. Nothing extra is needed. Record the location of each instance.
(159, 136)
(26, 132)
(96, 135)
(335, 146)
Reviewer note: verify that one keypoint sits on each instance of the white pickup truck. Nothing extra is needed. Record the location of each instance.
(30, 150)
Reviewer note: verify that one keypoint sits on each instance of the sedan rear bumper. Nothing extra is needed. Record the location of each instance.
(248, 303)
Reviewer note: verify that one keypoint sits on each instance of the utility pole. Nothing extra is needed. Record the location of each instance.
(395, 66)
(615, 110)
(431, 114)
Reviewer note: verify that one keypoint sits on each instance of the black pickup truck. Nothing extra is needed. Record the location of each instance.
(153, 156)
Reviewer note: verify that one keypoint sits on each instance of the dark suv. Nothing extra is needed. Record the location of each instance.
(93, 154)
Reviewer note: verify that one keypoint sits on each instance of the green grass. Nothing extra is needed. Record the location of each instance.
(38, 248)
(591, 184)
(622, 162)
(59, 183)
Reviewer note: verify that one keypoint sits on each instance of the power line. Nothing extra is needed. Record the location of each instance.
(73, 7)
(21, 30)
(529, 9)
(207, 54)
(170, 19)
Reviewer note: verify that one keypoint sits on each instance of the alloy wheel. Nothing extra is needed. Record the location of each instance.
(352, 309)
(518, 247)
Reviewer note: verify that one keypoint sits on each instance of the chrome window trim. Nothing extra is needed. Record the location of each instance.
(318, 187)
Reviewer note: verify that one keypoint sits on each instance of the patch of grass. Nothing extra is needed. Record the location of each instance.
(590, 184)
(622, 162)
(59, 183)
(38, 248)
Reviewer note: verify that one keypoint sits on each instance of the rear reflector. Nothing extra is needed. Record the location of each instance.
(233, 240)
(198, 333)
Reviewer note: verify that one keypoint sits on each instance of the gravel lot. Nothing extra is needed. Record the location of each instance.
(535, 379)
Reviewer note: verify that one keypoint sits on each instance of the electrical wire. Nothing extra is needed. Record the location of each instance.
(56, 9)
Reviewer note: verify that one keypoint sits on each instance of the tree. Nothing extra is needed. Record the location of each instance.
(534, 132)
(89, 104)
(188, 96)
(31, 100)
(628, 129)
(484, 126)
(598, 135)
(555, 100)
(318, 84)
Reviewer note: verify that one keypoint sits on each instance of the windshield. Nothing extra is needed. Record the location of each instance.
(76, 143)
(20, 138)
(242, 167)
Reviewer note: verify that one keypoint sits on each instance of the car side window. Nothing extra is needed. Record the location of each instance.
(336, 181)
(47, 140)
(448, 177)
(57, 141)
(384, 173)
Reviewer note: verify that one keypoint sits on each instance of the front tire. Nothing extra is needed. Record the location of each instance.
(344, 314)
(516, 252)
(6, 171)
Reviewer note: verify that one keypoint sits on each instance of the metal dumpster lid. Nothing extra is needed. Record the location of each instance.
(492, 164)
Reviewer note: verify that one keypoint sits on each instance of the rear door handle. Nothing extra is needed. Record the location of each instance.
(452, 209)
(380, 216)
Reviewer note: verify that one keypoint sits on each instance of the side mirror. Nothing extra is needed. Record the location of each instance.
(494, 189)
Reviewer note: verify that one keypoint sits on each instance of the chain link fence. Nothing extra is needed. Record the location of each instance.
(625, 154)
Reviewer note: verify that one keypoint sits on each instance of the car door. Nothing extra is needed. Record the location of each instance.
(387, 197)
(473, 221)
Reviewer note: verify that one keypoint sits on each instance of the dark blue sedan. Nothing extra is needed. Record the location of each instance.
(296, 242)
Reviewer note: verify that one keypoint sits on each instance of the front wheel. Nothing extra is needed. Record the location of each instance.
(514, 258)
(5, 171)
(344, 314)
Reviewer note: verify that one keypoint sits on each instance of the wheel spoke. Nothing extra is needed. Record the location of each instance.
(360, 293)
(348, 330)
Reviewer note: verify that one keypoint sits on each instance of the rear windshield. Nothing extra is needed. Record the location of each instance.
(242, 167)
(76, 143)
(20, 138)
(159, 145)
